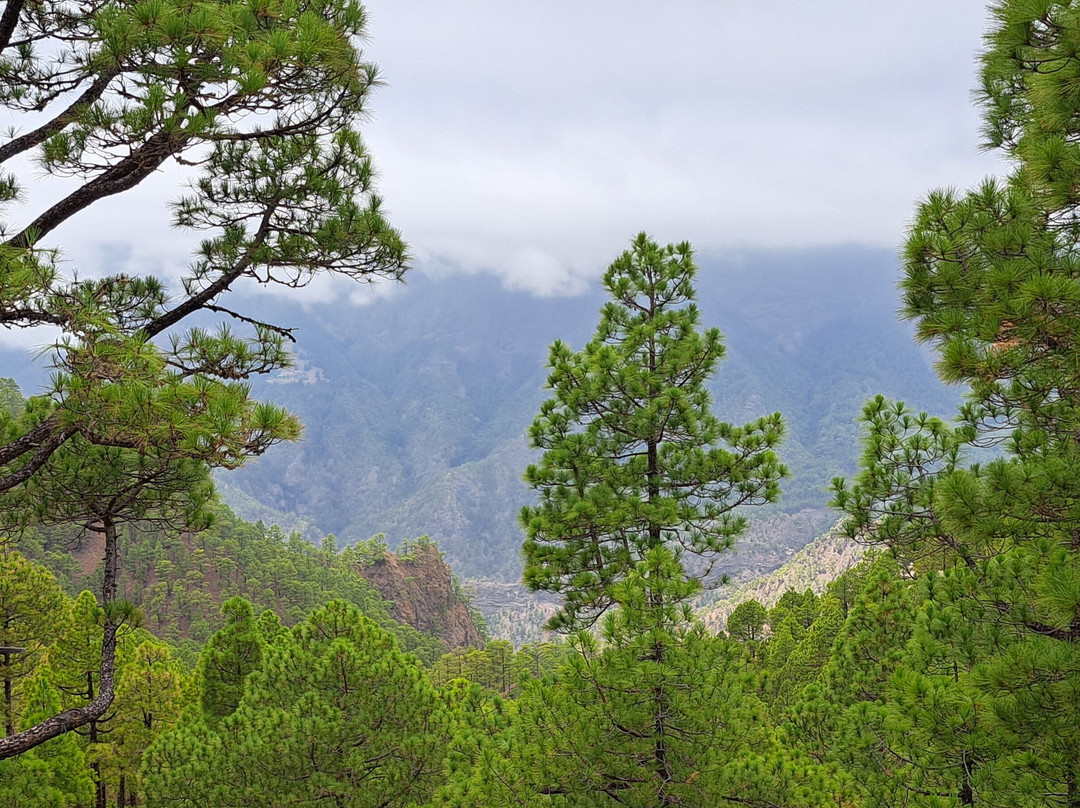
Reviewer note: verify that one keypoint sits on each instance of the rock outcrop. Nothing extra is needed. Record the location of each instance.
(420, 591)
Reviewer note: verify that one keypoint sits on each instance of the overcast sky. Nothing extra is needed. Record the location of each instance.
(532, 140)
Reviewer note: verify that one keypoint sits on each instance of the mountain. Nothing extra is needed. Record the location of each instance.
(421, 592)
(178, 582)
(416, 405)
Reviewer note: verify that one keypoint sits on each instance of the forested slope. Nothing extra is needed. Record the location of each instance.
(416, 406)
(179, 581)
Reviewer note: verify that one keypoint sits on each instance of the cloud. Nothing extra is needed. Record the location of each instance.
(33, 341)
(730, 124)
(532, 141)
(539, 272)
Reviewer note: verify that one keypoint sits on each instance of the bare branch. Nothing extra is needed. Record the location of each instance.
(201, 299)
(277, 329)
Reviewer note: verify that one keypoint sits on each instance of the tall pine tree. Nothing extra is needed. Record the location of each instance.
(986, 697)
(633, 458)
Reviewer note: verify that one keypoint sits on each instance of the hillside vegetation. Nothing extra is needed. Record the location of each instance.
(813, 568)
(416, 408)
(179, 581)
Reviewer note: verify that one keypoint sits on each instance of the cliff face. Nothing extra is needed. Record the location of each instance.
(178, 584)
(421, 593)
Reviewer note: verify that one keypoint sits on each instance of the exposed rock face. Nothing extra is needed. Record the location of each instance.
(421, 593)
(418, 588)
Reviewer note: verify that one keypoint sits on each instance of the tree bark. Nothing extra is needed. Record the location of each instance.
(9, 21)
(661, 763)
(9, 720)
(45, 131)
(81, 716)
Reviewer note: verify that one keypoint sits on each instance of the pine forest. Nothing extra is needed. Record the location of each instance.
(900, 626)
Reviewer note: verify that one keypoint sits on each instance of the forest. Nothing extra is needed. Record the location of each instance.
(156, 650)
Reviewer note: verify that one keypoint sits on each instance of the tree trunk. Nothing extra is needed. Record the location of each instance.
(9, 718)
(72, 719)
(100, 800)
(967, 793)
(661, 764)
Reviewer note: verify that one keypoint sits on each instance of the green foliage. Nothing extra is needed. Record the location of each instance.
(335, 711)
(178, 581)
(150, 694)
(990, 278)
(366, 553)
(747, 622)
(74, 658)
(497, 667)
(156, 699)
(943, 671)
(60, 669)
(632, 456)
(230, 656)
(33, 613)
(55, 774)
(11, 398)
(283, 191)
(410, 547)
(805, 662)
(660, 713)
(264, 103)
(873, 637)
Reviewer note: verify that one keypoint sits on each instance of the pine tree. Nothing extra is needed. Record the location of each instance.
(839, 719)
(99, 489)
(53, 775)
(746, 623)
(335, 713)
(872, 641)
(808, 659)
(537, 660)
(75, 669)
(658, 714)
(633, 459)
(228, 659)
(266, 104)
(149, 697)
(283, 190)
(33, 612)
(984, 700)
(504, 679)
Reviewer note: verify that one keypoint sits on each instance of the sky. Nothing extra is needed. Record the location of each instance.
(533, 140)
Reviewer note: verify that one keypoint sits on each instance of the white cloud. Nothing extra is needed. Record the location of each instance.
(539, 272)
(533, 140)
(33, 341)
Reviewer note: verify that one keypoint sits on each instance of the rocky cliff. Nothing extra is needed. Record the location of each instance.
(420, 590)
(179, 582)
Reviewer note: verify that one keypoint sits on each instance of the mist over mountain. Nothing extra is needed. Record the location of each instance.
(416, 406)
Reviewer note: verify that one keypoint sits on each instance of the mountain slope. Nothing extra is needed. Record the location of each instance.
(416, 406)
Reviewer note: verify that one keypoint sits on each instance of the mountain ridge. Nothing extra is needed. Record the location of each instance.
(417, 405)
